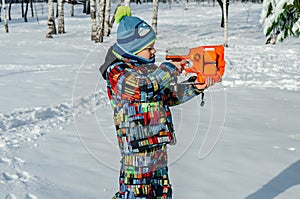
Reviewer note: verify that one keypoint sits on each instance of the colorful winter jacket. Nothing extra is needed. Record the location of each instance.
(140, 96)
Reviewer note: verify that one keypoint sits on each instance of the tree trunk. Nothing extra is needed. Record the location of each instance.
(88, 7)
(93, 20)
(222, 8)
(127, 3)
(61, 20)
(26, 11)
(22, 8)
(155, 13)
(51, 22)
(225, 8)
(107, 18)
(113, 17)
(100, 27)
(56, 9)
(31, 7)
(72, 10)
(9, 9)
(84, 7)
(4, 16)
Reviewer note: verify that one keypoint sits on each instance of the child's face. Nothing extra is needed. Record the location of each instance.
(148, 52)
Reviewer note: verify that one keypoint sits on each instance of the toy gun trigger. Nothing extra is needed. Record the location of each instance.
(200, 78)
(187, 66)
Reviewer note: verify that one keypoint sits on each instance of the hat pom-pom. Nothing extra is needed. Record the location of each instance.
(122, 11)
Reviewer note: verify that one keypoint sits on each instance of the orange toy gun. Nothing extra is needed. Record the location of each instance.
(205, 61)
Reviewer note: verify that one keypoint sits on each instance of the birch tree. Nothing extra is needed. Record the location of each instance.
(112, 21)
(100, 28)
(155, 13)
(225, 8)
(61, 21)
(93, 19)
(51, 22)
(4, 16)
(127, 3)
(107, 18)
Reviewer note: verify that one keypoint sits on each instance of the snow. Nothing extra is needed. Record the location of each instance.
(57, 137)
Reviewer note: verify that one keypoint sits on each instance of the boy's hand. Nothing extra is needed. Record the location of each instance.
(208, 82)
(179, 65)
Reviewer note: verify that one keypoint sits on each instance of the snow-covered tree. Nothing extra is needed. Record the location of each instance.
(280, 19)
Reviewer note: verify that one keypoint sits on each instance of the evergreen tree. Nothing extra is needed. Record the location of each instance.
(280, 19)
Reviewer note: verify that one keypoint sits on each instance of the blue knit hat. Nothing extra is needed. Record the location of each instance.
(133, 34)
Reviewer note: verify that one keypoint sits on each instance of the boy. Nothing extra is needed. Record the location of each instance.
(140, 94)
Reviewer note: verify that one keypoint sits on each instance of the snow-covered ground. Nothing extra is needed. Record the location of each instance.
(56, 134)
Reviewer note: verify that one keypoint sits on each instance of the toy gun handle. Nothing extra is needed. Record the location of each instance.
(188, 67)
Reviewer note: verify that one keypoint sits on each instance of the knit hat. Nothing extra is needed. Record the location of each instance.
(133, 34)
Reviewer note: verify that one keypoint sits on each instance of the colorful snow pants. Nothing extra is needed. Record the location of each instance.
(145, 175)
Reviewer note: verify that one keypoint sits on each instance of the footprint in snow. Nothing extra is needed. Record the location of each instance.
(22, 176)
(5, 160)
(8, 177)
(30, 196)
(294, 137)
(19, 160)
(10, 196)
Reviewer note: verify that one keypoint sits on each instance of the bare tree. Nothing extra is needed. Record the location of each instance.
(107, 18)
(225, 8)
(61, 21)
(93, 19)
(155, 13)
(31, 7)
(51, 22)
(26, 11)
(127, 3)
(100, 28)
(22, 8)
(9, 9)
(4, 16)
(112, 21)
(72, 10)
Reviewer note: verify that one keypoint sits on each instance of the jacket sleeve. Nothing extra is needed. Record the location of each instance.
(181, 92)
(131, 84)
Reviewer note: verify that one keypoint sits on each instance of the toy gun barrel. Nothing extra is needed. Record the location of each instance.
(208, 61)
(177, 54)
